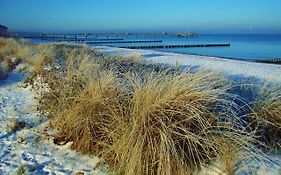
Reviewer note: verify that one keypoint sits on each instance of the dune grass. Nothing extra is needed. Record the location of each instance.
(13, 52)
(146, 122)
(172, 127)
(86, 118)
(80, 100)
(267, 106)
(261, 104)
(3, 72)
(146, 118)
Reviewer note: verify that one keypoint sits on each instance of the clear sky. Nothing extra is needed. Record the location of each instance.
(203, 16)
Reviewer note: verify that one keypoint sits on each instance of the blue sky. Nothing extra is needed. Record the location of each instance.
(204, 16)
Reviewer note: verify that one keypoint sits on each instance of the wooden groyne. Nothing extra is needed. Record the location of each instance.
(272, 61)
(116, 42)
(176, 46)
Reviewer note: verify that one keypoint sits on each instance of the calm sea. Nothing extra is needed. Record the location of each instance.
(245, 47)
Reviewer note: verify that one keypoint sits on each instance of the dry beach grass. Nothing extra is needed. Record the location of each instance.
(143, 118)
(173, 127)
(12, 53)
(267, 106)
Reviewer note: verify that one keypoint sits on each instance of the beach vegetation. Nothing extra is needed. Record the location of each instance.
(173, 126)
(15, 125)
(267, 107)
(147, 118)
(13, 52)
(21, 170)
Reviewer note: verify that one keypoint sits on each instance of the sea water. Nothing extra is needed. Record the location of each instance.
(242, 47)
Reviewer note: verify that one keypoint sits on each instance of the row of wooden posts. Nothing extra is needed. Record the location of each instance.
(86, 36)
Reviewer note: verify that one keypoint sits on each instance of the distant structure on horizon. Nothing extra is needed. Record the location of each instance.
(187, 34)
(3, 31)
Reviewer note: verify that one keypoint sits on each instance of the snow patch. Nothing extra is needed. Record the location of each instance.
(32, 147)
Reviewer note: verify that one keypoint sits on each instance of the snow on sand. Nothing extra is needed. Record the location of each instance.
(32, 147)
(229, 67)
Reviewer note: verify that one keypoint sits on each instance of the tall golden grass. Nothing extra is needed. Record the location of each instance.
(12, 53)
(172, 127)
(143, 118)
(159, 121)
(88, 115)
(80, 100)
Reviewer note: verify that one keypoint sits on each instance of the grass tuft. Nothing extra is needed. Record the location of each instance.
(172, 127)
(15, 125)
(13, 52)
(86, 120)
(267, 107)
(21, 170)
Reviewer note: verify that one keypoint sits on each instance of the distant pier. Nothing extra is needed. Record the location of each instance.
(110, 36)
(126, 38)
(83, 39)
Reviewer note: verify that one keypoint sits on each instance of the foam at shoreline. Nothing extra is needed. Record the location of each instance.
(237, 68)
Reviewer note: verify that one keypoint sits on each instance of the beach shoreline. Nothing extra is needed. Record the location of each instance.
(236, 68)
